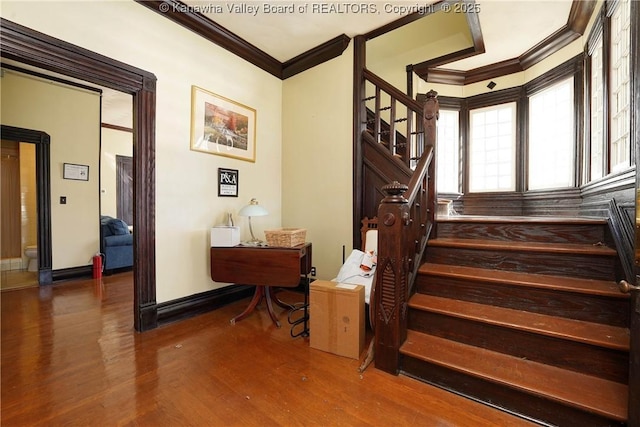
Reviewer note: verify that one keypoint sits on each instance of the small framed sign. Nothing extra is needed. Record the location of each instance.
(77, 172)
(227, 182)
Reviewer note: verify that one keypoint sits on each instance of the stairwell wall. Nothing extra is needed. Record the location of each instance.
(317, 159)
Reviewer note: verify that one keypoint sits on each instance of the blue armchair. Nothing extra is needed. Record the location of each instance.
(116, 243)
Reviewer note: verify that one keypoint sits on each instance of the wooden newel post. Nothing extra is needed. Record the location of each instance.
(390, 295)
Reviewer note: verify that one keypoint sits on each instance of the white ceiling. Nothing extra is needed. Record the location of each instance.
(509, 27)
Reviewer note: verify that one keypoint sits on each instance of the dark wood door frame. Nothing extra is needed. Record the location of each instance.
(43, 194)
(24, 45)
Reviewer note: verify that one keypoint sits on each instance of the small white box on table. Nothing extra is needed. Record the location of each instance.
(225, 236)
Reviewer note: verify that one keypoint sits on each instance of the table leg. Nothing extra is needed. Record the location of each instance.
(261, 291)
(270, 306)
(257, 296)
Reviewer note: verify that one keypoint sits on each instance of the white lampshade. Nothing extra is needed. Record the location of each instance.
(253, 209)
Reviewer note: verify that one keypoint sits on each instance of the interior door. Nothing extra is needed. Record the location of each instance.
(10, 212)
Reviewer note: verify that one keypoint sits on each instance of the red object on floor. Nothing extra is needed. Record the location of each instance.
(97, 266)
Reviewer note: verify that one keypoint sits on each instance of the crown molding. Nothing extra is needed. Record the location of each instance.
(182, 14)
(581, 11)
(322, 53)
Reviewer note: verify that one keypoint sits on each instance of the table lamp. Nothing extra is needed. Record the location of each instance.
(253, 209)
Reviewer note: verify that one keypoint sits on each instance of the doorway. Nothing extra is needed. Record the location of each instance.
(19, 216)
(23, 45)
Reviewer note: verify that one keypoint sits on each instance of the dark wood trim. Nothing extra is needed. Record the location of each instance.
(586, 144)
(27, 46)
(619, 181)
(318, 55)
(43, 194)
(85, 271)
(407, 19)
(359, 126)
(633, 418)
(116, 127)
(606, 110)
(442, 75)
(50, 78)
(194, 305)
(427, 70)
(494, 98)
(567, 69)
(579, 17)
(522, 142)
(547, 47)
(502, 68)
(622, 229)
(596, 32)
(182, 14)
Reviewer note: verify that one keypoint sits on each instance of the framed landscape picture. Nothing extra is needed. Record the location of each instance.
(222, 126)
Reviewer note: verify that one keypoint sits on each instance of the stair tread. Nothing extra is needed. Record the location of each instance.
(613, 337)
(564, 248)
(606, 288)
(522, 219)
(606, 398)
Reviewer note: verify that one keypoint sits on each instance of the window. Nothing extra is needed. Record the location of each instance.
(492, 148)
(597, 111)
(551, 137)
(620, 88)
(448, 152)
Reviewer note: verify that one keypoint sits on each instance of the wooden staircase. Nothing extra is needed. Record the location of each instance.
(523, 314)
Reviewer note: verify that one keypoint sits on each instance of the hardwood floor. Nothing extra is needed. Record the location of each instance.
(14, 279)
(70, 357)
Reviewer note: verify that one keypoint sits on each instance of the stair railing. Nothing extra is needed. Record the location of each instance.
(394, 119)
(406, 219)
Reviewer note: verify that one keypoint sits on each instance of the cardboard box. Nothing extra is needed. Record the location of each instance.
(336, 318)
(225, 236)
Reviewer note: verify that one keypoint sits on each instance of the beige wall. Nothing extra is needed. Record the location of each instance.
(114, 143)
(187, 204)
(71, 117)
(318, 159)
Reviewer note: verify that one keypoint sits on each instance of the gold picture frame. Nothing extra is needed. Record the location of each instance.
(221, 126)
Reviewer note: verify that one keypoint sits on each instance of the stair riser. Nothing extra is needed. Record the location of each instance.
(512, 400)
(524, 232)
(591, 308)
(573, 265)
(596, 361)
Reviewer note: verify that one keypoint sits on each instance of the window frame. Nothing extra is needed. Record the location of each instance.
(602, 30)
(574, 142)
(573, 67)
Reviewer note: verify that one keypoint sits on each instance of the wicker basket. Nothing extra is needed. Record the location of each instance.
(285, 237)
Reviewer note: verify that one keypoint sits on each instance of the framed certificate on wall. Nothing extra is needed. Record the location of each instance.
(76, 172)
(227, 182)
